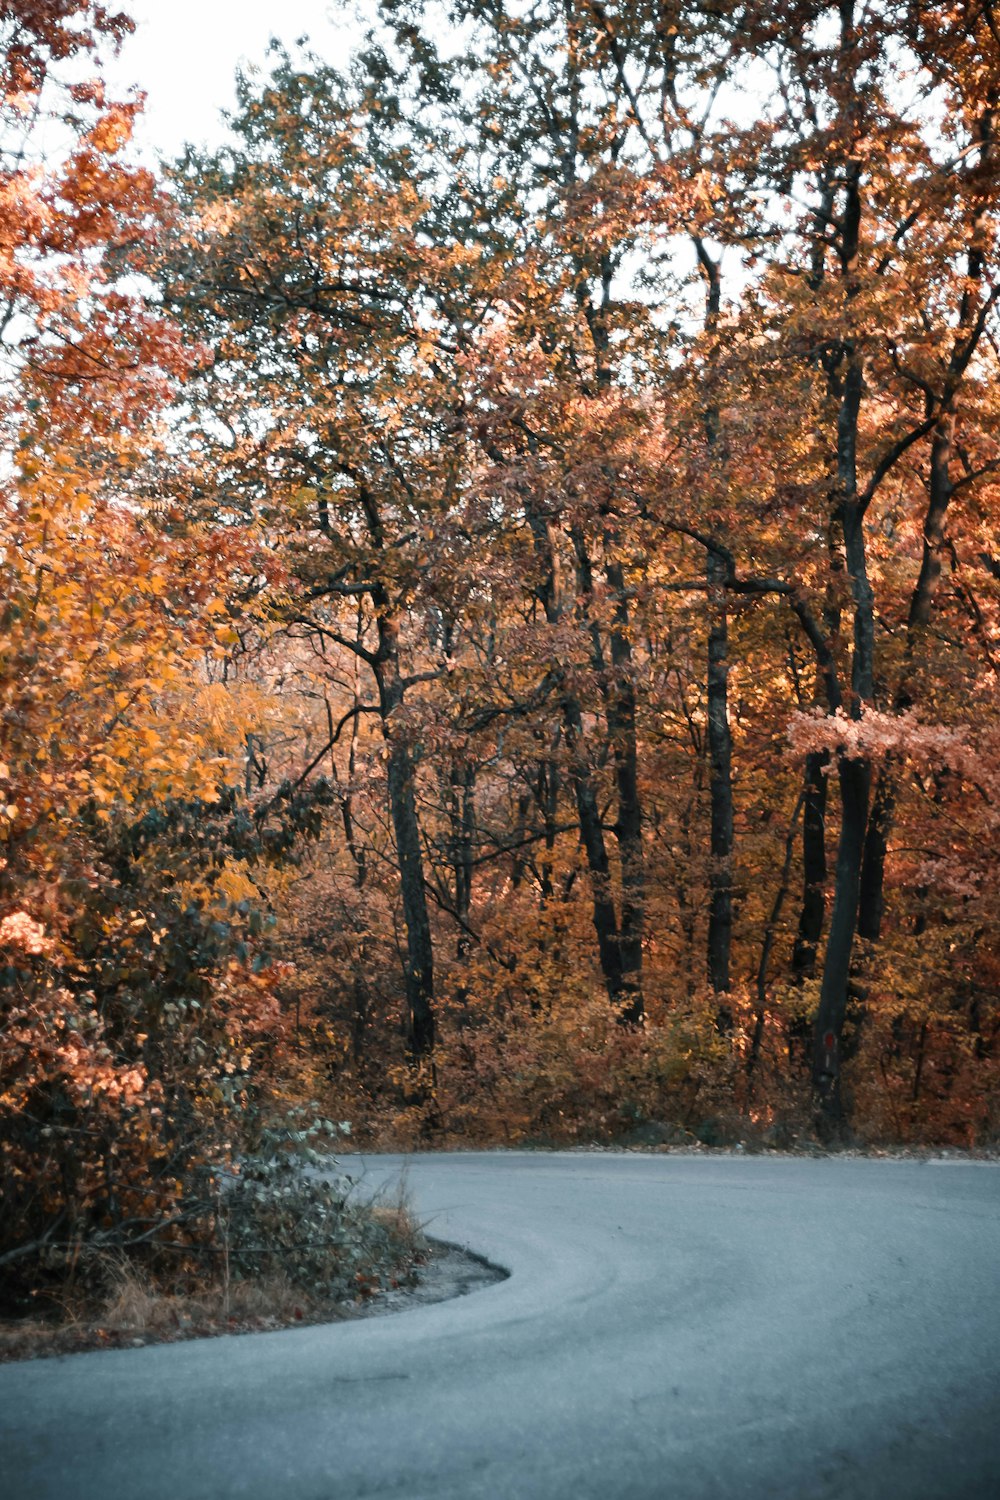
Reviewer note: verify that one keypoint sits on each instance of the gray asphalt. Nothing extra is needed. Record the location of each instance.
(674, 1328)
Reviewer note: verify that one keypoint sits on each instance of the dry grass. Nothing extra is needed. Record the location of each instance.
(134, 1310)
(391, 1208)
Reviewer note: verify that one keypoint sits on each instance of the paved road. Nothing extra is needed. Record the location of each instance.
(674, 1328)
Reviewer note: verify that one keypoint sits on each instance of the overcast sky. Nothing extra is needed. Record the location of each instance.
(185, 53)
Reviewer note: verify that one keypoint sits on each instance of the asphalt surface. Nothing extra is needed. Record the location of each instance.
(674, 1328)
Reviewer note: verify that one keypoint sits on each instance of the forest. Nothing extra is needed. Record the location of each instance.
(499, 598)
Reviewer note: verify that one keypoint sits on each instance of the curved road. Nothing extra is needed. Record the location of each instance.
(674, 1328)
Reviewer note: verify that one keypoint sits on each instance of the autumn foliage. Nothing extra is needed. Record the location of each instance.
(500, 596)
(131, 1008)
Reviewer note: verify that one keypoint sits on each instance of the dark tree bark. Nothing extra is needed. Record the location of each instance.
(418, 964)
(359, 858)
(549, 797)
(719, 742)
(854, 774)
(770, 933)
(720, 752)
(855, 787)
(872, 895)
(846, 375)
(816, 791)
(814, 869)
(462, 780)
(629, 827)
(618, 690)
(592, 840)
(940, 492)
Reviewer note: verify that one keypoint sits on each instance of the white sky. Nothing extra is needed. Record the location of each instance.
(185, 53)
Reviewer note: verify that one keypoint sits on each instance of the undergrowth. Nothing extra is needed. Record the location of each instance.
(292, 1241)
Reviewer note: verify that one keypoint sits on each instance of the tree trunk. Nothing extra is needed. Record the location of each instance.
(871, 895)
(921, 605)
(618, 689)
(855, 785)
(847, 378)
(550, 813)
(941, 490)
(581, 775)
(816, 788)
(622, 728)
(463, 841)
(594, 846)
(359, 1010)
(810, 928)
(767, 947)
(855, 790)
(418, 965)
(719, 739)
(720, 754)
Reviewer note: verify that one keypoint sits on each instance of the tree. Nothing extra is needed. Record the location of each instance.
(129, 1009)
(606, 444)
(312, 268)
